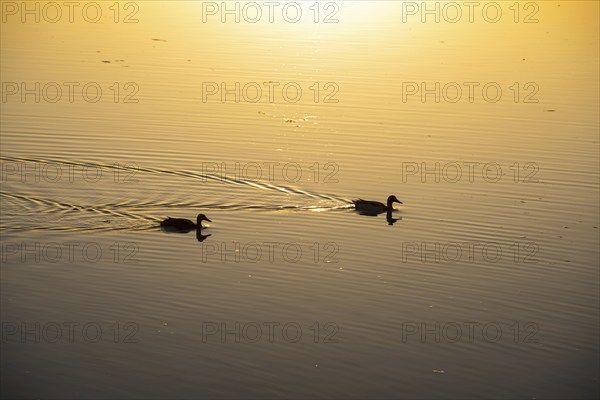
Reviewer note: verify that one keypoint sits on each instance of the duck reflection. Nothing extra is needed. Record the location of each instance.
(200, 236)
(390, 220)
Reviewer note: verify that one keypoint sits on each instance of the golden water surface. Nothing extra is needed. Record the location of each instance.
(483, 283)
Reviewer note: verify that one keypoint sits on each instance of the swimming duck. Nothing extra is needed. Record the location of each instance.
(183, 225)
(374, 207)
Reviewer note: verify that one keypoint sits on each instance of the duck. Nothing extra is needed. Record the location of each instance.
(183, 225)
(368, 207)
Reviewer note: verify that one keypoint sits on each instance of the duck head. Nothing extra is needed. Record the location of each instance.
(201, 217)
(392, 199)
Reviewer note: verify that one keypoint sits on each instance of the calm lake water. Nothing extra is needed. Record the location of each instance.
(483, 283)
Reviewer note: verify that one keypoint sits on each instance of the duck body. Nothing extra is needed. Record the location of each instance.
(368, 207)
(183, 225)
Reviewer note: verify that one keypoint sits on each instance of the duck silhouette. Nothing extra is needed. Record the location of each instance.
(367, 207)
(183, 225)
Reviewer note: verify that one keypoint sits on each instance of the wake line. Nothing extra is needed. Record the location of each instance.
(110, 208)
(188, 174)
(148, 222)
(62, 206)
(80, 228)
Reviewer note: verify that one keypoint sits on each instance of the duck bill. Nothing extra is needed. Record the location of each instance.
(206, 219)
